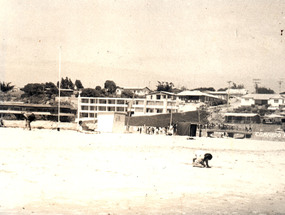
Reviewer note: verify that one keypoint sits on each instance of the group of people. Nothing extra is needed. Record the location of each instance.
(169, 130)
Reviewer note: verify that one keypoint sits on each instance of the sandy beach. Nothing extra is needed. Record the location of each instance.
(67, 172)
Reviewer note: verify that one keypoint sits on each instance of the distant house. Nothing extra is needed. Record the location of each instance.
(243, 118)
(16, 89)
(273, 100)
(139, 91)
(230, 92)
(196, 97)
(161, 95)
(272, 119)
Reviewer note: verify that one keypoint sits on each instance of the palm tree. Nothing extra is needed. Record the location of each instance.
(6, 87)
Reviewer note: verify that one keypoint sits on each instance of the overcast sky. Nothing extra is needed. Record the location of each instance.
(192, 43)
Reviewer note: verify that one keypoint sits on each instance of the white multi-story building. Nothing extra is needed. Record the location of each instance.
(155, 103)
(88, 108)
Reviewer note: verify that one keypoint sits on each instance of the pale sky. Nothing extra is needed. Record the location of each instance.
(193, 43)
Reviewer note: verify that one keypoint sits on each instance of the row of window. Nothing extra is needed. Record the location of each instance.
(158, 97)
(103, 101)
(118, 101)
(263, 101)
(103, 108)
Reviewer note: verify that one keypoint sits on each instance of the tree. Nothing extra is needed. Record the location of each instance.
(110, 86)
(66, 83)
(33, 89)
(127, 94)
(164, 86)
(39, 92)
(78, 85)
(6, 87)
(264, 90)
(235, 86)
(98, 88)
(205, 89)
(89, 92)
(222, 89)
(50, 89)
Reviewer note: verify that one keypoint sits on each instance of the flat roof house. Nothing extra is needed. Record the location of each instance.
(273, 100)
(196, 97)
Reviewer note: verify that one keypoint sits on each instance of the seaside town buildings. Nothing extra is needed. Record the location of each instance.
(158, 102)
(146, 103)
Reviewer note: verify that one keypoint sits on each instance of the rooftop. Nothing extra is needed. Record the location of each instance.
(133, 88)
(162, 92)
(241, 114)
(195, 93)
(263, 96)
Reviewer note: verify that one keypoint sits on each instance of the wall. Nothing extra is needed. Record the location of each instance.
(105, 123)
(273, 104)
(273, 136)
(245, 102)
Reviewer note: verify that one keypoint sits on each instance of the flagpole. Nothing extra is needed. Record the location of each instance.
(59, 83)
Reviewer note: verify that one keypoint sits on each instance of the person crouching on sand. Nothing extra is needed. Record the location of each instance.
(201, 160)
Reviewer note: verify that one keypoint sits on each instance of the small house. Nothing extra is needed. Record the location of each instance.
(111, 122)
(242, 118)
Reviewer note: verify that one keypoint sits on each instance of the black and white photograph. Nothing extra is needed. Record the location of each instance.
(146, 107)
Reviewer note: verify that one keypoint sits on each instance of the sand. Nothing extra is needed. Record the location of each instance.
(66, 172)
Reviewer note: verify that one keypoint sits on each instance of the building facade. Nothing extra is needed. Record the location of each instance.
(231, 93)
(273, 100)
(197, 97)
(138, 91)
(89, 108)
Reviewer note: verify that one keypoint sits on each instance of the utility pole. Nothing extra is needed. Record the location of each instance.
(280, 84)
(59, 83)
(199, 121)
(78, 108)
(170, 122)
(256, 81)
(129, 111)
(229, 82)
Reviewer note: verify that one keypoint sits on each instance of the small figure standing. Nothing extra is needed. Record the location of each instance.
(29, 117)
(79, 127)
(201, 159)
(1, 122)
